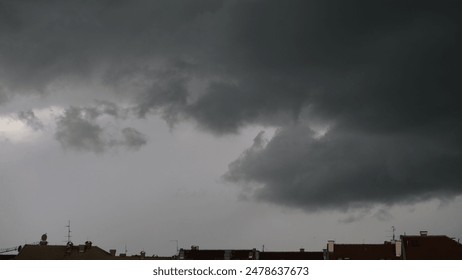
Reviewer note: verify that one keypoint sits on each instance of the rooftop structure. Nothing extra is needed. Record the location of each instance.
(63, 252)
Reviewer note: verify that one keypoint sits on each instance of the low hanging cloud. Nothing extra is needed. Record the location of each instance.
(343, 170)
(29, 118)
(78, 129)
(132, 138)
(382, 74)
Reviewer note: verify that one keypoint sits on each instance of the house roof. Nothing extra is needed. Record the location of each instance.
(291, 255)
(248, 254)
(384, 251)
(217, 254)
(141, 257)
(7, 257)
(62, 252)
(431, 247)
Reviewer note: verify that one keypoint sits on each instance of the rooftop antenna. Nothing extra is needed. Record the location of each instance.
(69, 231)
(393, 235)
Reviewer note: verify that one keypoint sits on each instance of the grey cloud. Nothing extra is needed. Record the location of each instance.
(111, 109)
(76, 130)
(354, 217)
(133, 138)
(30, 119)
(383, 215)
(164, 92)
(380, 215)
(79, 129)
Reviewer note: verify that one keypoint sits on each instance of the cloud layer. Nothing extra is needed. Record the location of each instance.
(383, 75)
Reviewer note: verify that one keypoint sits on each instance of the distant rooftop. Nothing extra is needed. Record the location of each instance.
(63, 252)
(431, 247)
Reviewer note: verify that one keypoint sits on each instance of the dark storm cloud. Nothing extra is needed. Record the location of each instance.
(161, 91)
(383, 74)
(346, 169)
(47, 41)
(29, 118)
(79, 129)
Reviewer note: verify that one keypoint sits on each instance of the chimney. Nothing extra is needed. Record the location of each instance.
(143, 254)
(330, 246)
(254, 254)
(69, 247)
(112, 252)
(302, 250)
(44, 241)
(423, 233)
(398, 248)
(194, 248)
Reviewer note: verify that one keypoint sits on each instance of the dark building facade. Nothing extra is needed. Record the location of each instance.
(430, 247)
(409, 247)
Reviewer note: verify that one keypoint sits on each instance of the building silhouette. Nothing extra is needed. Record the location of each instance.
(408, 247)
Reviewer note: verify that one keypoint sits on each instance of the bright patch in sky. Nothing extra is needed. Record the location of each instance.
(14, 130)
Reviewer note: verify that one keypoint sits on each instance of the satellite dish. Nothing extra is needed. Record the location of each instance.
(44, 237)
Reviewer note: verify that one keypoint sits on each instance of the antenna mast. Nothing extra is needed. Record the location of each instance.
(69, 232)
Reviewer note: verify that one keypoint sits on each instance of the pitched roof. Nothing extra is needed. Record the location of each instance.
(384, 251)
(62, 252)
(431, 247)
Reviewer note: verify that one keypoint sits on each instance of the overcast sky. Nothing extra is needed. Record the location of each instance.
(229, 124)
